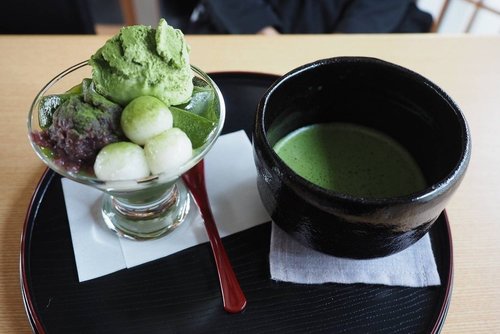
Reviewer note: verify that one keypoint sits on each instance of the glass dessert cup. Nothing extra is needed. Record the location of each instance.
(138, 209)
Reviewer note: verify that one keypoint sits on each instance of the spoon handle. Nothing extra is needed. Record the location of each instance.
(233, 299)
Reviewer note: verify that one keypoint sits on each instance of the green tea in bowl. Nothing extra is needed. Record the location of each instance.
(351, 159)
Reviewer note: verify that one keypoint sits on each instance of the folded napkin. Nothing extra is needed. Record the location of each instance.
(230, 180)
(292, 262)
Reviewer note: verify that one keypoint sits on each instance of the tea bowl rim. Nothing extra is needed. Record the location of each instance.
(297, 182)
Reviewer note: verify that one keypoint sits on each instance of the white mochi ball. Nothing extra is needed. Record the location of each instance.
(145, 117)
(167, 151)
(121, 161)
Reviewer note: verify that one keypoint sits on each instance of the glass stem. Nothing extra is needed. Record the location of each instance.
(147, 211)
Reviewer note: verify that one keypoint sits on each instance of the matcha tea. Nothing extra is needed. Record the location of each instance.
(351, 159)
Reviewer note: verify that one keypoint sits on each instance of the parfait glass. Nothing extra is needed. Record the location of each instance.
(138, 209)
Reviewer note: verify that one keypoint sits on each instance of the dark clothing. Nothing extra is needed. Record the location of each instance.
(46, 17)
(309, 16)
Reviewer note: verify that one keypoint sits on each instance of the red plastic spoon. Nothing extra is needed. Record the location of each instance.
(233, 299)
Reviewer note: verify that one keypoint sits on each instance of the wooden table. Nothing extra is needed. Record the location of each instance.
(467, 68)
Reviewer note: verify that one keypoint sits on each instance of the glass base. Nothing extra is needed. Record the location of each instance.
(147, 220)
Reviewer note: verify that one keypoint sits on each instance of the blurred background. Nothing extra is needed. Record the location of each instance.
(464, 16)
(107, 16)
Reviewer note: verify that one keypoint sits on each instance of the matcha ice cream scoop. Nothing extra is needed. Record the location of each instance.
(140, 61)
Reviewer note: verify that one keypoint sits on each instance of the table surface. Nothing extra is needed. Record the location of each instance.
(466, 67)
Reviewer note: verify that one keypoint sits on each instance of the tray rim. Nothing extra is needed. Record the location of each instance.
(33, 317)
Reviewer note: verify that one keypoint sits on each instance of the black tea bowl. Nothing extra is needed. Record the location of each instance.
(373, 93)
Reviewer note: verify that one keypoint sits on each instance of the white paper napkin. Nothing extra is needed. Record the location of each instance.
(230, 177)
(292, 262)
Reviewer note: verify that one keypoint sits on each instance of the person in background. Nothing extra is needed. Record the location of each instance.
(46, 17)
(272, 17)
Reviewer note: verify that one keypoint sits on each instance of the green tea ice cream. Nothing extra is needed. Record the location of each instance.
(142, 61)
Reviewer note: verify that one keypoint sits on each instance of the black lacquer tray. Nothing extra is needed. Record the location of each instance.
(180, 293)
